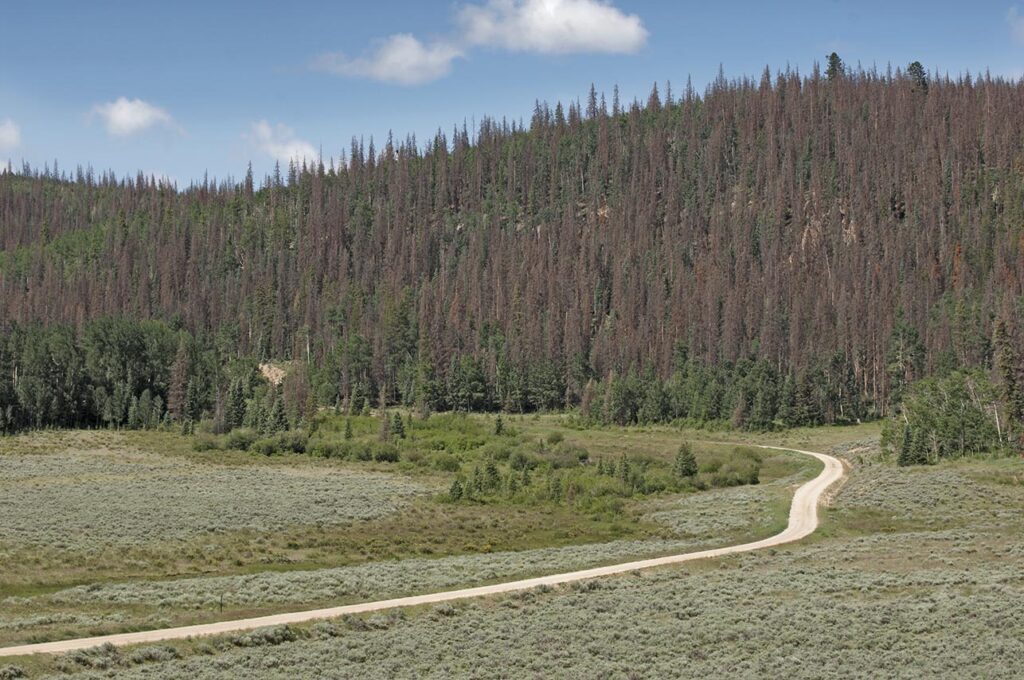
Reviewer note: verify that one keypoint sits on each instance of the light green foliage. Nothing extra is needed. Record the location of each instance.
(948, 416)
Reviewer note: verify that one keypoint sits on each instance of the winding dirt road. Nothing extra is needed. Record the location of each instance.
(803, 520)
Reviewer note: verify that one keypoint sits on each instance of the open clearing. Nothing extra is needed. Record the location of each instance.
(914, 572)
(153, 534)
(803, 520)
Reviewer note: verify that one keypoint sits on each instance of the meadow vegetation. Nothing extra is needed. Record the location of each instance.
(108, 531)
(903, 579)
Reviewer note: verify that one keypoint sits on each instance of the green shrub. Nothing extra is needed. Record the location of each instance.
(737, 473)
(385, 453)
(445, 462)
(555, 438)
(204, 441)
(327, 449)
(292, 441)
(567, 456)
(415, 456)
(240, 439)
(711, 466)
(152, 654)
(264, 637)
(265, 447)
(360, 451)
(498, 451)
(12, 673)
(519, 460)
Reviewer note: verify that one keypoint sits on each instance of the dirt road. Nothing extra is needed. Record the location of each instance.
(803, 520)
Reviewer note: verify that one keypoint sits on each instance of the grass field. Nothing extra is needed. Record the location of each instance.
(915, 573)
(107, 532)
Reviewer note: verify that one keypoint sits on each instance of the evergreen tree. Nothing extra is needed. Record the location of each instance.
(144, 409)
(397, 426)
(348, 428)
(499, 426)
(555, 488)
(235, 409)
(277, 419)
(177, 393)
(787, 402)
(918, 75)
(467, 385)
(511, 484)
(193, 409)
(835, 69)
(384, 434)
(524, 478)
(256, 415)
(455, 492)
(134, 416)
(157, 411)
(476, 481)
(913, 448)
(1008, 365)
(904, 358)
(492, 480)
(685, 464)
(427, 389)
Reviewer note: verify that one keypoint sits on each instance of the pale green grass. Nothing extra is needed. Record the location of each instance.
(916, 574)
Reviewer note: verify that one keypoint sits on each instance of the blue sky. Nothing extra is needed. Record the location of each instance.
(184, 88)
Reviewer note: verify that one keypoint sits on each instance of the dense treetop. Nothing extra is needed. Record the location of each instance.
(863, 229)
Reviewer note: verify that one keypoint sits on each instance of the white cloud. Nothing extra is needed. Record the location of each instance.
(280, 143)
(553, 26)
(125, 117)
(400, 58)
(545, 26)
(10, 135)
(1016, 21)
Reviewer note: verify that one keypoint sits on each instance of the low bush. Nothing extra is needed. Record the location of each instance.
(100, 658)
(445, 462)
(381, 452)
(204, 441)
(385, 453)
(265, 447)
(240, 439)
(520, 460)
(153, 654)
(293, 441)
(264, 637)
(327, 449)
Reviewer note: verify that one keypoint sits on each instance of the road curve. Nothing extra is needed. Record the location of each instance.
(803, 520)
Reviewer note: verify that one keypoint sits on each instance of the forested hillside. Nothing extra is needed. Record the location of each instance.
(789, 249)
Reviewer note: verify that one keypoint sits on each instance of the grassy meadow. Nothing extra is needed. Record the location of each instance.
(106, 531)
(915, 571)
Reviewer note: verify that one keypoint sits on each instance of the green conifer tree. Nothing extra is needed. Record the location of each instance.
(397, 426)
(455, 492)
(685, 464)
